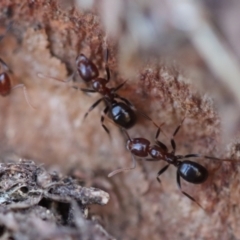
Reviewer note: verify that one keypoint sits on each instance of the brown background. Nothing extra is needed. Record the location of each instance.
(167, 79)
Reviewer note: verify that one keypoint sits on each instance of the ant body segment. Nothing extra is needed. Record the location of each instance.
(5, 82)
(190, 171)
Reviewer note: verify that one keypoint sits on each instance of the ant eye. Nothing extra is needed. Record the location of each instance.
(86, 68)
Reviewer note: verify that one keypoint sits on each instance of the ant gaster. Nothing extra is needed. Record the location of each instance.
(190, 171)
(5, 82)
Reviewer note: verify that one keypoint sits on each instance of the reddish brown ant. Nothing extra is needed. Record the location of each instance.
(5, 82)
(191, 172)
(122, 113)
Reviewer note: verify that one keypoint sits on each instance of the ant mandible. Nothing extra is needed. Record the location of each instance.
(121, 112)
(190, 171)
(5, 82)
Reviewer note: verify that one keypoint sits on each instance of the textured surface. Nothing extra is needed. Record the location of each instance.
(43, 205)
(46, 37)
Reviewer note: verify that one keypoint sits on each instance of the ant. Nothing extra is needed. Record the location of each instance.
(121, 112)
(190, 171)
(5, 82)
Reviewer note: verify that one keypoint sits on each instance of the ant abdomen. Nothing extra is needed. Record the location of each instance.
(86, 68)
(192, 172)
(122, 115)
(5, 84)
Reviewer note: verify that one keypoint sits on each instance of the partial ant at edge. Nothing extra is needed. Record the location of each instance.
(5, 83)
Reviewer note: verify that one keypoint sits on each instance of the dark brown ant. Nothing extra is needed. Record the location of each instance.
(121, 112)
(191, 172)
(5, 82)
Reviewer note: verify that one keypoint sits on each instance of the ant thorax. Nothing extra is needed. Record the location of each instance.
(156, 152)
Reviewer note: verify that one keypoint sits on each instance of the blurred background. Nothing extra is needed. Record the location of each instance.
(180, 58)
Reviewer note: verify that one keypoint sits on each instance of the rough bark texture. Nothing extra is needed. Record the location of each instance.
(46, 37)
(36, 204)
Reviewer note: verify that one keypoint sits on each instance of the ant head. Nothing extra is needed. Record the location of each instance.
(99, 84)
(86, 68)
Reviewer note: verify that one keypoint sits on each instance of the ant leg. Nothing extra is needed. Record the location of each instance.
(124, 169)
(126, 133)
(102, 120)
(174, 134)
(214, 158)
(92, 107)
(223, 160)
(151, 159)
(85, 90)
(106, 64)
(161, 172)
(118, 87)
(188, 156)
(191, 155)
(184, 193)
(43, 76)
(125, 101)
(25, 93)
(209, 157)
(160, 144)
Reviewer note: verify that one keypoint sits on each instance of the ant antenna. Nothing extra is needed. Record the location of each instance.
(43, 76)
(124, 130)
(123, 169)
(25, 94)
(105, 56)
